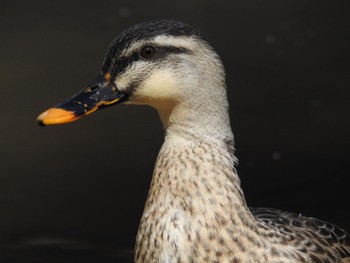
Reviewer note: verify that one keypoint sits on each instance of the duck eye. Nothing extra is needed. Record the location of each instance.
(148, 52)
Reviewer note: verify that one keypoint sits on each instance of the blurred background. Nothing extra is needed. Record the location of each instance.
(75, 193)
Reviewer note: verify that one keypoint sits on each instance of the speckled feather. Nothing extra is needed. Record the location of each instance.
(321, 240)
(184, 204)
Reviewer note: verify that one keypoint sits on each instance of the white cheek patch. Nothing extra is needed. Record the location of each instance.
(161, 85)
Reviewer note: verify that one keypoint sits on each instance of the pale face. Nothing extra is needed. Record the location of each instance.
(165, 76)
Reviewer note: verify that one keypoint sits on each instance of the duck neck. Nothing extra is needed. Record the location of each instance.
(191, 163)
(195, 204)
(198, 155)
(200, 168)
(195, 187)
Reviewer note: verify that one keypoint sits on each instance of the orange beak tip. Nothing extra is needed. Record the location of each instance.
(55, 116)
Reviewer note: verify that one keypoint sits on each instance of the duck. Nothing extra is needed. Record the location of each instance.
(195, 211)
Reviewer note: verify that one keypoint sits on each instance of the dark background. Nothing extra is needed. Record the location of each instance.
(75, 193)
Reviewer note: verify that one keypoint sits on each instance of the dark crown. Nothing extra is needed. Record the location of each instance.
(146, 31)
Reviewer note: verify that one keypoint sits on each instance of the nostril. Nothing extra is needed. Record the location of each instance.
(92, 89)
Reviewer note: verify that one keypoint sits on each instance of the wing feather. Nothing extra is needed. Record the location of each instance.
(321, 240)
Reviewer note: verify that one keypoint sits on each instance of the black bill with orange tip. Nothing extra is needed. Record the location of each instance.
(99, 94)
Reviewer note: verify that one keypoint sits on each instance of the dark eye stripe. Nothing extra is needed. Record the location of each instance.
(115, 66)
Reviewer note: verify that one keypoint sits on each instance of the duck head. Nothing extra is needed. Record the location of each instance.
(156, 63)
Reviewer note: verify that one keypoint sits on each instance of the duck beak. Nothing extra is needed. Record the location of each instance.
(100, 93)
